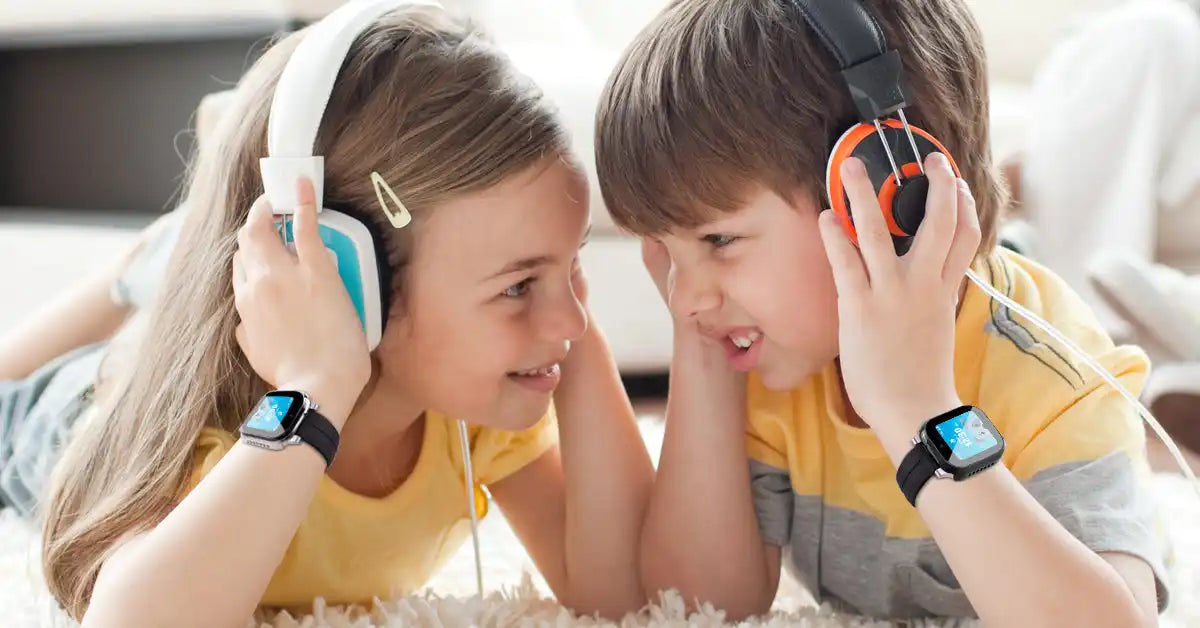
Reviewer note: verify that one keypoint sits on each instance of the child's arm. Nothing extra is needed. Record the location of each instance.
(579, 508)
(209, 561)
(1017, 565)
(701, 534)
(1004, 547)
(82, 315)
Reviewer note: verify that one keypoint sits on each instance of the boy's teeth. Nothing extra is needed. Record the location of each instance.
(549, 370)
(744, 342)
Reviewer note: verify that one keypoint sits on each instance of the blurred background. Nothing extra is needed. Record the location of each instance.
(1094, 121)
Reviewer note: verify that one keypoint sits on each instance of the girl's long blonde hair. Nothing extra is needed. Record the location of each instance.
(424, 99)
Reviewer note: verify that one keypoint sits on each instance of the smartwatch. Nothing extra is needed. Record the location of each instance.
(953, 445)
(288, 417)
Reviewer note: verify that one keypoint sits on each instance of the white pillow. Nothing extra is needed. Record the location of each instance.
(614, 23)
(513, 22)
(1019, 34)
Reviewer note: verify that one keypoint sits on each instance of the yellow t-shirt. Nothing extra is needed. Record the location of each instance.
(827, 492)
(351, 548)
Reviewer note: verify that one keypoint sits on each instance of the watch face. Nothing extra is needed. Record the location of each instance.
(275, 416)
(965, 438)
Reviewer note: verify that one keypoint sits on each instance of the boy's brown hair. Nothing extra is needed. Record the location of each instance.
(714, 97)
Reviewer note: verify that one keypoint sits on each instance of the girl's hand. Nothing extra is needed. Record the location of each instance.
(298, 327)
(896, 314)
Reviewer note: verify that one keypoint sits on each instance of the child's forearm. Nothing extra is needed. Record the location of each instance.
(701, 533)
(1016, 564)
(82, 315)
(210, 560)
(608, 476)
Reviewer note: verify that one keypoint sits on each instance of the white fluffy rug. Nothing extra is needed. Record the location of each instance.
(519, 597)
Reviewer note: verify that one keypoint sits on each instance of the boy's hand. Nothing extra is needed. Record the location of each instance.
(896, 314)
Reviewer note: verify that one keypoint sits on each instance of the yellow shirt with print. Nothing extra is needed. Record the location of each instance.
(826, 492)
(351, 548)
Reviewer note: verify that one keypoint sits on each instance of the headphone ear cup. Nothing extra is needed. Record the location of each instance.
(903, 206)
(357, 255)
(908, 206)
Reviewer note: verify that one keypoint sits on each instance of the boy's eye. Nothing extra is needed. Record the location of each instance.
(720, 240)
(518, 289)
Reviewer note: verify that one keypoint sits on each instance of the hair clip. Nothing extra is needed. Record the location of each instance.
(398, 219)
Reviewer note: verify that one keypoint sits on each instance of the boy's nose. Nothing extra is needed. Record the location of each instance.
(695, 291)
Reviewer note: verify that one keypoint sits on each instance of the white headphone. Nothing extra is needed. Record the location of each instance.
(296, 111)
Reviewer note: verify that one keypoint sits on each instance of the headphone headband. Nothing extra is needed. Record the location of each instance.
(846, 28)
(873, 73)
(302, 94)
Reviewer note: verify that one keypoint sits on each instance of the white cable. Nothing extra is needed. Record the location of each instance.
(465, 444)
(1100, 370)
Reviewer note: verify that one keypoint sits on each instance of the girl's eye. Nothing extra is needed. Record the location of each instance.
(720, 240)
(518, 290)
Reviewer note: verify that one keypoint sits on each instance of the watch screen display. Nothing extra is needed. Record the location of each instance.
(274, 416)
(965, 437)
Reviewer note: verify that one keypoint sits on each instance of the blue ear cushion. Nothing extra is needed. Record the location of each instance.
(382, 267)
(381, 263)
(348, 267)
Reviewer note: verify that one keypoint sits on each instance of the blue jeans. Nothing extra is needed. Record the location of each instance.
(37, 415)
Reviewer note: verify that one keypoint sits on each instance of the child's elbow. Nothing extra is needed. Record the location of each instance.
(108, 608)
(1126, 611)
(100, 620)
(104, 612)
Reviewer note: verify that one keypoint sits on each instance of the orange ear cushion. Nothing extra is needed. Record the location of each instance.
(887, 194)
(833, 175)
(857, 142)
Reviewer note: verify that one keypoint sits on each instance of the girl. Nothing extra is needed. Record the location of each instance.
(158, 512)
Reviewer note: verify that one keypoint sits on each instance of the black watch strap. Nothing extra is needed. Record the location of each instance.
(914, 471)
(316, 430)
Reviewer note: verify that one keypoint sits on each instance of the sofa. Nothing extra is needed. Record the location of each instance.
(568, 47)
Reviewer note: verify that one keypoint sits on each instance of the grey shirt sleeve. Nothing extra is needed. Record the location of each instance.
(37, 416)
(1101, 503)
(771, 488)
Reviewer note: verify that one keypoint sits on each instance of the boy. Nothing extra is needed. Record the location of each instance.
(712, 142)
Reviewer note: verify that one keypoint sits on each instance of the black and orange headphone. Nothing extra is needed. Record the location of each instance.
(892, 150)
